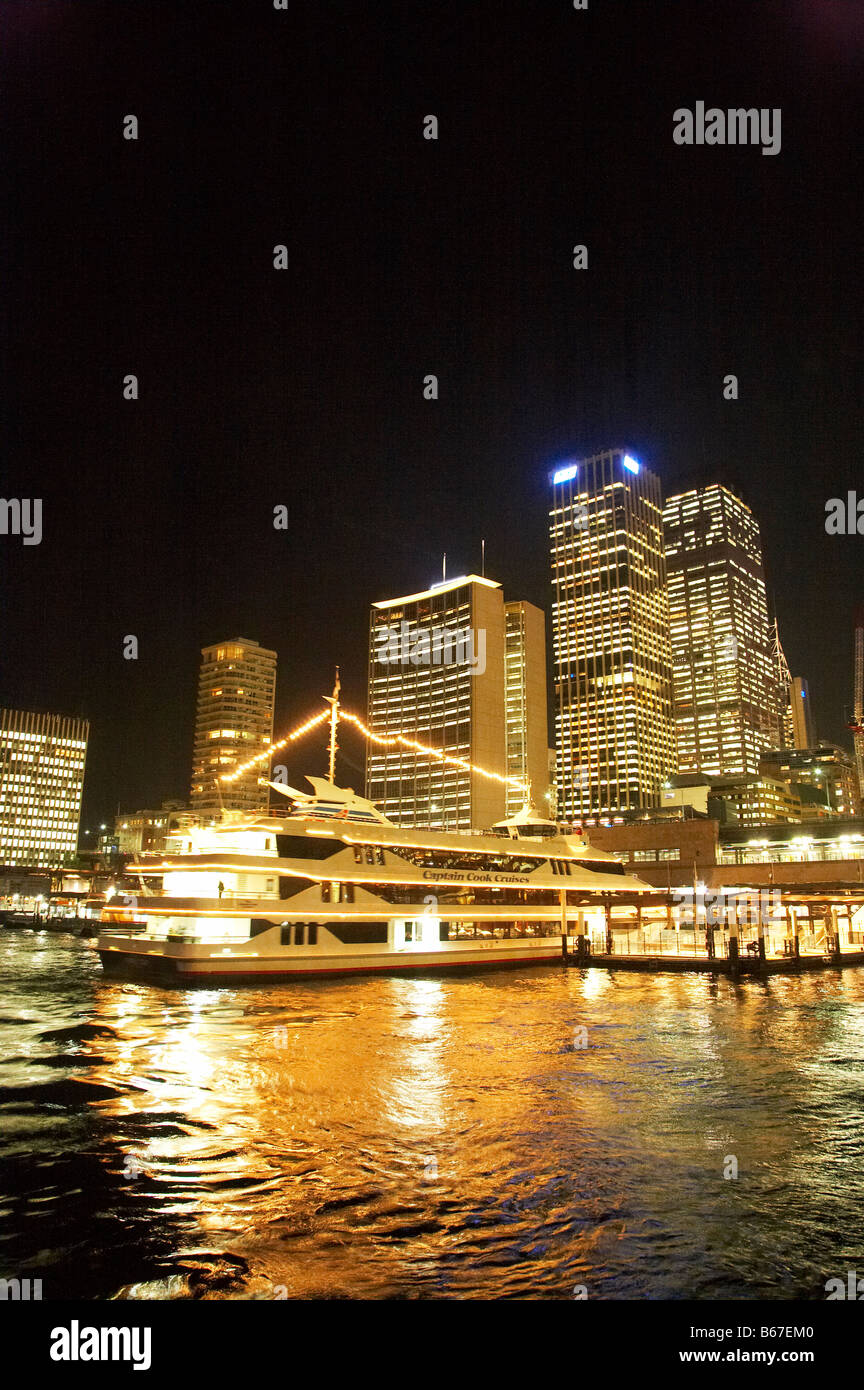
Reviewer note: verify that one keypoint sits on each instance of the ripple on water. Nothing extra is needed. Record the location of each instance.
(428, 1138)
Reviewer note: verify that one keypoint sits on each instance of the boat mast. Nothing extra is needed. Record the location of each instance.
(333, 702)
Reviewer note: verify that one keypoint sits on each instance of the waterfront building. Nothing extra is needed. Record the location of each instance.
(146, 832)
(610, 625)
(683, 852)
(724, 669)
(233, 722)
(831, 843)
(42, 760)
(765, 799)
(526, 720)
(825, 766)
(456, 669)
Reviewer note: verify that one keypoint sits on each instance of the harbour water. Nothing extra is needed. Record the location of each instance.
(523, 1135)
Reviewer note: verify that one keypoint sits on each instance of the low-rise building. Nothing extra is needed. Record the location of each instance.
(145, 832)
(825, 766)
(765, 800)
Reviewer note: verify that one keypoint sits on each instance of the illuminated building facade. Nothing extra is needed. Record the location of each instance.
(234, 721)
(527, 725)
(766, 800)
(803, 732)
(145, 832)
(826, 766)
(437, 675)
(42, 758)
(723, 666)
(610, 624)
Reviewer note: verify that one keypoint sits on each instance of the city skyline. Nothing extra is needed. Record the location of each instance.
(305, 389)
(432, 668)
(309, 759)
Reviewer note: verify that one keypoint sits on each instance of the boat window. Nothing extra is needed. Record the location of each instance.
(313, 934)
(289, 885)
(285, 934)
(358, 854)
(370, 854)
(357, 933)
(325, 892)
(468, 859)
(259, 925)
(554, 864)
(307, 846)
(379, 855)
(299, 934)
(600, 866)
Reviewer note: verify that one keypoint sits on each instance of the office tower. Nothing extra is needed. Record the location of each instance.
(527, 725)
(610, 626)
(234, 721)
(803, 732)
(437, 675)
(42, 759)
(724, 667)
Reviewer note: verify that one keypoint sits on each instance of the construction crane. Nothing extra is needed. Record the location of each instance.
(783, 678)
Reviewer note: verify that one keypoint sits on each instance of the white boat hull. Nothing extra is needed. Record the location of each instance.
(189, 961)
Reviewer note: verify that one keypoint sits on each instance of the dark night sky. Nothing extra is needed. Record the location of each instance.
(406, 256)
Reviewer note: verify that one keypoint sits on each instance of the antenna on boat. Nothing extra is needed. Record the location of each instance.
(333, 702)
(444, 568)
(483, 559)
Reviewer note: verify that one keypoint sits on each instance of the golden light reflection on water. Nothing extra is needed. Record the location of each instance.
(492, 1136)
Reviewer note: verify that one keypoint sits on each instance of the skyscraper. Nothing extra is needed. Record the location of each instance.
(803, 731)
(42, 759)
(610, 625)
(439, 673)
(527, 724)
(724, 670)
(233, 722)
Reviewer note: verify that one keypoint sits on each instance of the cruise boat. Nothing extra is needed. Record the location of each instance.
(334, 888)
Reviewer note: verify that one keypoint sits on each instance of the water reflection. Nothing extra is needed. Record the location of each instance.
(506, 1135)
